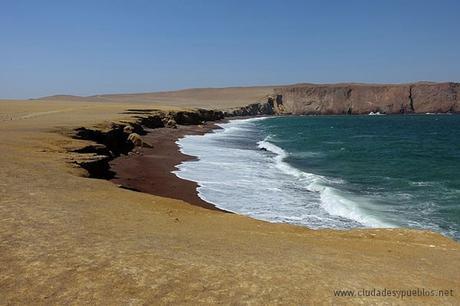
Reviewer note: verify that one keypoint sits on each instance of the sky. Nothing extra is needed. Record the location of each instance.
(95, 47)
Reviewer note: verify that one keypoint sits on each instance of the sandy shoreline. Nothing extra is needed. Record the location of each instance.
(149, 170)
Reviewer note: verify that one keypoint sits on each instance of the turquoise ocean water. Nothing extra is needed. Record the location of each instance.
(333, 171)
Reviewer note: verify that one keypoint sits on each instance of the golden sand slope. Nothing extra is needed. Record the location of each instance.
(194, 97)
(66, 239)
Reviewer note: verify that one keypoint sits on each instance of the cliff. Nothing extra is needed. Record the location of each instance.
(346, 98)
(110, 141)
(366, 98)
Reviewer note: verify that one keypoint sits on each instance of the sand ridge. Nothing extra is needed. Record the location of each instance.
(188, 98)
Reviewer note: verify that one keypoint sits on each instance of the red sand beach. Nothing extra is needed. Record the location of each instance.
(150, 169)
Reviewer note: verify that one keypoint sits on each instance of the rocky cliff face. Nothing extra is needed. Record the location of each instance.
(366, 98)
(272, 106)
(112, 141)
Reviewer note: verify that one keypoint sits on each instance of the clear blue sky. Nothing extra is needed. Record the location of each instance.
(90, 47)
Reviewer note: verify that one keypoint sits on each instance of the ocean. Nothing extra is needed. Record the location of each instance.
(337, 172)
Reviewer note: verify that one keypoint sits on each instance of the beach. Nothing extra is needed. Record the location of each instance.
(70, 239)
(150, 170)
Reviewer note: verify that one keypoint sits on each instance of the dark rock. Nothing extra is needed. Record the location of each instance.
(152, 122)
(114, 140)
(171, 123)
(98, 167)
(88, 134)
(96, 148)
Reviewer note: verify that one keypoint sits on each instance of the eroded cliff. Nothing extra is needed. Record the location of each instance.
(111, 141)
(366, 98)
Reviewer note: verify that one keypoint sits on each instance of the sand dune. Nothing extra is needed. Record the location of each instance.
(195, 97)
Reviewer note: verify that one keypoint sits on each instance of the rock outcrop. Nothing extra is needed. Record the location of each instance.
(366, 98)
(272, 106)
(114, 140)
(436, 98)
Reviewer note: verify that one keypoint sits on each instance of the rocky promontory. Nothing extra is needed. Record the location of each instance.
(333, 99)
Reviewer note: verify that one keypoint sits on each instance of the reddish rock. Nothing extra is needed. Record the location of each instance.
(436, 98)
(366, 98)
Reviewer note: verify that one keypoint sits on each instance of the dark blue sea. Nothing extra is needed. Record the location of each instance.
(335, 172)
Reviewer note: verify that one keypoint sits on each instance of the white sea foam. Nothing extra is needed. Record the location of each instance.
(332, 200)
(238, 173)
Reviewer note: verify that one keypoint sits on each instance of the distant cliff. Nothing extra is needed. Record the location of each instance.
(347, 98)
(366, 98)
